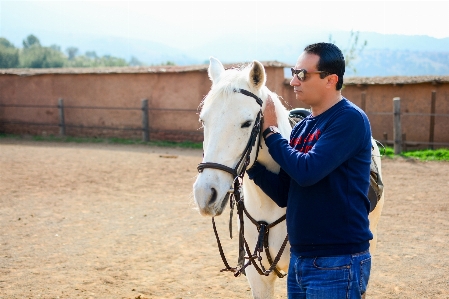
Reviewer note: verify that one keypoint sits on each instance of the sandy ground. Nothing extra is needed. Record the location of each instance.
(110, 221)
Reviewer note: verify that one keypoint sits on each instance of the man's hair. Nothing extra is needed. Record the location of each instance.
(331, 60)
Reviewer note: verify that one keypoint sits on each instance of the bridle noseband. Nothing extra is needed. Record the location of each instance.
(238, 173)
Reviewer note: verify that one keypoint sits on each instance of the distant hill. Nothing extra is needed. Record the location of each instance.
(384, 62)
(385, 55)
(146, 51)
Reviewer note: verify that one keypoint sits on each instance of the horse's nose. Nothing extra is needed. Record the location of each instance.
(213, 196)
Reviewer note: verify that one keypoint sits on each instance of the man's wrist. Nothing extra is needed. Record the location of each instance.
(270, 131)
(268, 135)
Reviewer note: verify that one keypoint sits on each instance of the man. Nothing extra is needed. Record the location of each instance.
(323, 181)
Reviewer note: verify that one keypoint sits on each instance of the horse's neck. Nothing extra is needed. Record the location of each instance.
(264, 156)
(258, 204)
(254, 196)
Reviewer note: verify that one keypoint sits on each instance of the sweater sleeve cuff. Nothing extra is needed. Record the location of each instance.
(255, 170)
(272, 139)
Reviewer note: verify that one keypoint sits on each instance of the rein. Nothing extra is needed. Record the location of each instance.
(236, 198)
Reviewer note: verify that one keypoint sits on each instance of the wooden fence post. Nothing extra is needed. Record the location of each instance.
(145, 121)
(61, 117)
(404, 142)
(397, 131)
(385, 137)
(432, 118)
(363, 104)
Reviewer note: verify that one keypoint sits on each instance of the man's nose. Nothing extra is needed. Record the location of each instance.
(295, 81)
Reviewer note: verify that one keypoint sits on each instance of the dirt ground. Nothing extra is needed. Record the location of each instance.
(118, 221)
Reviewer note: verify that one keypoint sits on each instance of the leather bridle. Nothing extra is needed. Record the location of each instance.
(236, 197)
(240, 168)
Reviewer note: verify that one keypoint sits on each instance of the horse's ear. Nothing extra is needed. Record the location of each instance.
(215, 69)
(257, 76)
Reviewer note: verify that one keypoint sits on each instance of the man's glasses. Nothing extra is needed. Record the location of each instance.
(301, 73)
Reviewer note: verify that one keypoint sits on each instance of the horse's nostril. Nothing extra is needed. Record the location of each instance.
(213, 198)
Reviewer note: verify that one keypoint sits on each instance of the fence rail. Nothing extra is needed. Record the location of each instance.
(399, 138)
(28, 106)
(399, 142)
(95, 107)
(145, 128)
(407, 114)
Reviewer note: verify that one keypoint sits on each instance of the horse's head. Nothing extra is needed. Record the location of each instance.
(228, 117)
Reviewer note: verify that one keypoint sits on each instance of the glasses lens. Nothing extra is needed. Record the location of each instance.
(302, 75)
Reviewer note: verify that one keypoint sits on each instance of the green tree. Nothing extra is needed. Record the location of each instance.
(108, 60)
(41, 57)
(31, 41)
(352, 50)
(72, 51)
(91, 61)
(135, 62)
(34, 55)
(56, 48)
(9, 55)
(79, 61)
(6, 43)
(167, 63)
(91, 54)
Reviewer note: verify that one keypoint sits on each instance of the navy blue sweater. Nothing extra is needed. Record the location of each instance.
(323, 181)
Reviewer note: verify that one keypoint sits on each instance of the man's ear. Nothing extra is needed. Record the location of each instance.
(332, 81)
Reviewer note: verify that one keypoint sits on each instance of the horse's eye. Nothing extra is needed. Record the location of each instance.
(201, 121)
(246, 124)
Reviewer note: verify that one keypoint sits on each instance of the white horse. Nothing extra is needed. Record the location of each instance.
(228, 116)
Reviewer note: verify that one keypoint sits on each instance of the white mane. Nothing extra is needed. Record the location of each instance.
(236, 78)
(230, 80)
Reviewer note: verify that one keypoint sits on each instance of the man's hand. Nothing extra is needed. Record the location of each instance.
(269, 115)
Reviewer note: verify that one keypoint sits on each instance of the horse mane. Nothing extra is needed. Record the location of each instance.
(235, 78)
(230, 80)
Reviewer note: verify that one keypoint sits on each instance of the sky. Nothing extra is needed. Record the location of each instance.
(185, 23)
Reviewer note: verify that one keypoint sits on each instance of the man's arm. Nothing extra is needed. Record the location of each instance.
(342, 140)
(276, 186)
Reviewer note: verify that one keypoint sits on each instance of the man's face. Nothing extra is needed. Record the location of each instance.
(310, 90)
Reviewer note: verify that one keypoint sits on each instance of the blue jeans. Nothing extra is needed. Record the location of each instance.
(333, 277)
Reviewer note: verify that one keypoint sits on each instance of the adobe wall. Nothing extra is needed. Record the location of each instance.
(184, 91)
(163, 90)
(170, 90)
(415, 98)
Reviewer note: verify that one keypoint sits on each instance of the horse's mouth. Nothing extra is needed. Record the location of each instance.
(224, 202)
(218, 209)
(210, 199)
